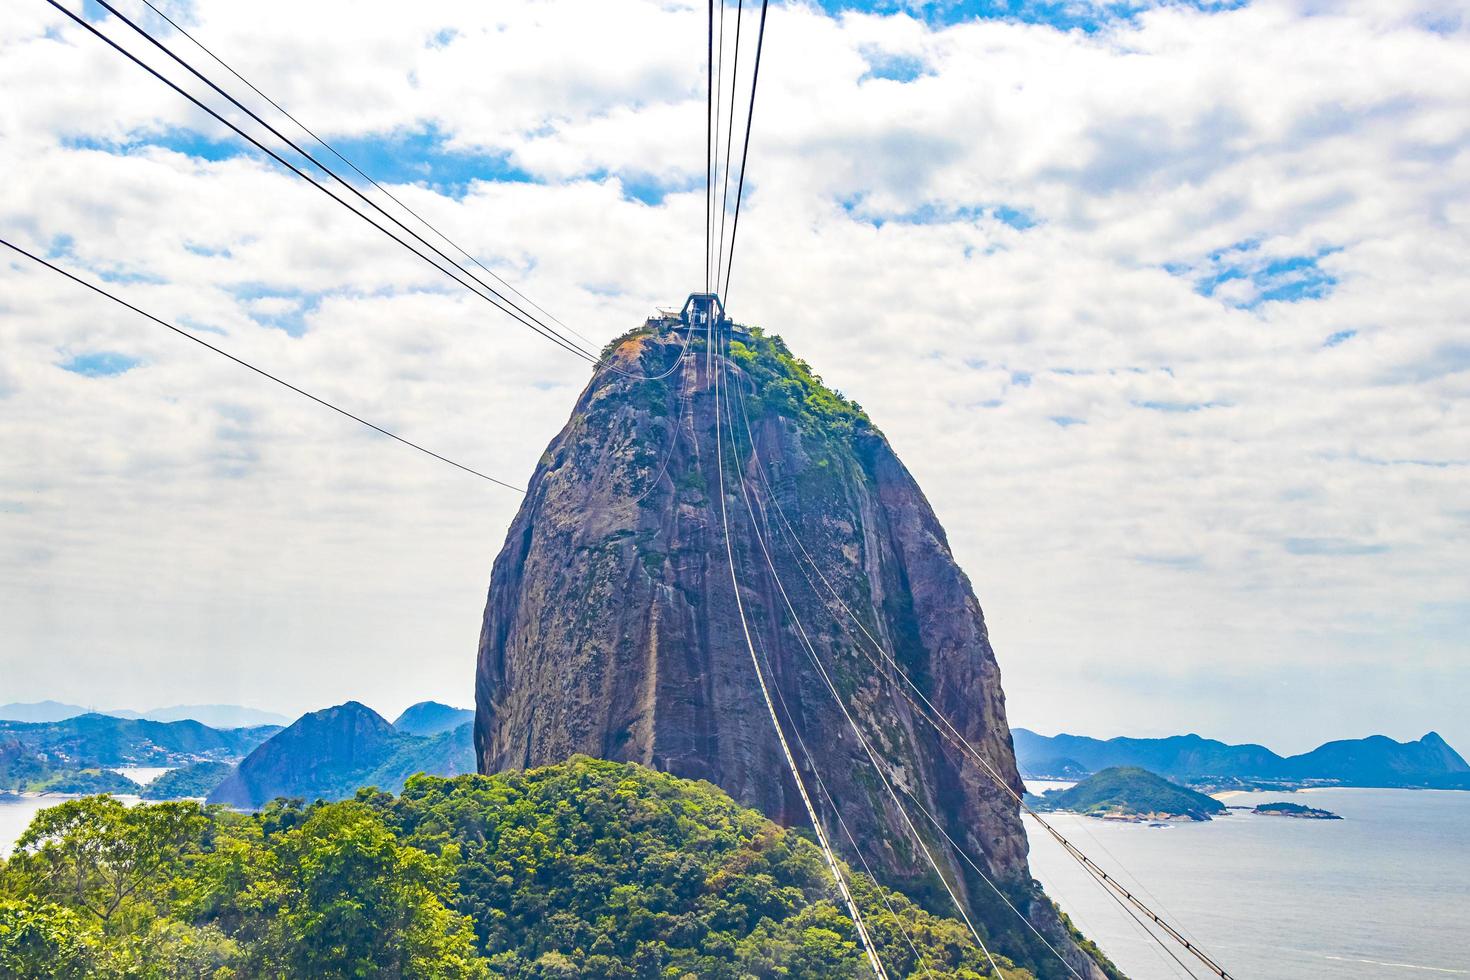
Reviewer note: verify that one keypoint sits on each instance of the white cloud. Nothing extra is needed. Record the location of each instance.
(1168, 494)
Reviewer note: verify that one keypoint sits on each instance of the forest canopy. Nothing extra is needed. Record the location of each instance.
(584, 869)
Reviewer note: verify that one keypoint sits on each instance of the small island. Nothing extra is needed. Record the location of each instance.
(1295, 810)
(1133, 794)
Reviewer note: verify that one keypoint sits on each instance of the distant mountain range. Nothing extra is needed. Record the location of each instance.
(213, 715)
(325, 754)
(329, 754)
(107, 741)
(1373, 761)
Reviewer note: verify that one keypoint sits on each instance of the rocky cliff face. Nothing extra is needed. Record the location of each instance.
(612, 629)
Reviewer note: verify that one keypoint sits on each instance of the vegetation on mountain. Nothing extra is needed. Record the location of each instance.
(1294, 810)
(1128, 791)
(328, 754)
(188, 782)
(81, 781)
(101, 740)
(787, 385)
(24, 770)
(585, 869)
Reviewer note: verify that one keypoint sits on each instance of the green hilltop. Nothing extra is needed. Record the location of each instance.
(1129, 791)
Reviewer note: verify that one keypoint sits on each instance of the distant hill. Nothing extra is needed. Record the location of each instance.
(431, 718)
(213, 715)
(328, 754)
(103, 740)
(1178, 755)
(1380, 761)
(24, 769)
(1128, 791)
(1294, 810)
(188, 782)
(40, 711)
(1373, 761)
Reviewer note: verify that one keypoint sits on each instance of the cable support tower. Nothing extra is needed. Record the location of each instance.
(942, 725)
(826, 847)
(258, 370)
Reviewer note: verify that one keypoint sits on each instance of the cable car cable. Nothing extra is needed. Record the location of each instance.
(729, 133)
(951, 734)
(508, 308)
(260, 371)
(831, 686)
(745, 153)
(358, 170)
(822, 841)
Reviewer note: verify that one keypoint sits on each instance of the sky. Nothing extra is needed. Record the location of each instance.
(1164, 305)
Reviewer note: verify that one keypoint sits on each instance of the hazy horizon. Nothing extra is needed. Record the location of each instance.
(468, 704)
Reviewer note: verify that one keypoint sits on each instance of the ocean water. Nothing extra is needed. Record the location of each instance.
(1382, 893)
(142, 775)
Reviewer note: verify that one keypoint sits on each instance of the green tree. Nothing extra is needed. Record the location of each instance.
(43, 940)
(95, 855)
(340, 897)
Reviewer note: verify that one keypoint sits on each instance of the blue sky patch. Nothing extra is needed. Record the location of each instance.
(1332, 546)
(930, 213)
(279, 310)
(206, 251)
(1184, 562)
(423, 157)
(117, 276)
(1067, 421)
(1066, 15)
(99, 364)
(1179, 407)
(890, 67)
(416, 157)
(189, 142)
(1340, 337)
(646, 188)
(1241, 276)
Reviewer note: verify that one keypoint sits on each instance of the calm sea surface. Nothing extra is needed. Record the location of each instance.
(1382, 893)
